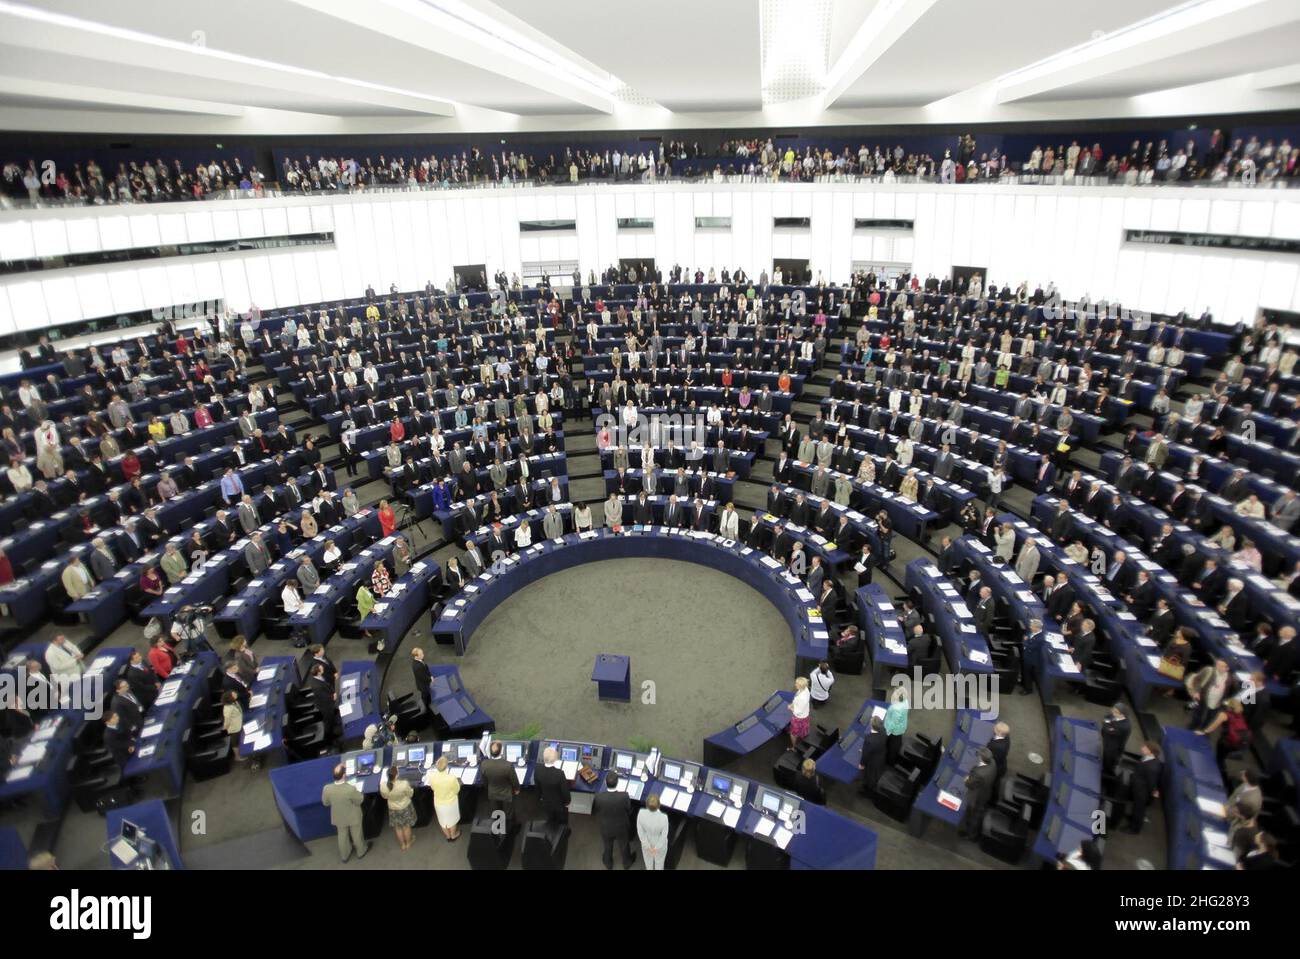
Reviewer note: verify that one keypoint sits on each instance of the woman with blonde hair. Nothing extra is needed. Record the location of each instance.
(446, 798)
(799, 710)
(896, 722)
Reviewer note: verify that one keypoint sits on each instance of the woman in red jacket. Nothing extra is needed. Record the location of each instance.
(130, 465)
(387, 519)
(161, 658)
(397, 431)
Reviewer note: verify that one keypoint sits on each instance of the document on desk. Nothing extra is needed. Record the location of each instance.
(731, 816)
(771, 563)
(668, 796)
(1212, 807)
(34, 753)
(19, 773)
(932, 571)
(716, 809)
(262, 742)
(782, 837)
(258, 701)
(570, 769)
(682, 802)
(764, 826)
(948, 800)
(265, 673)
(153, 729)
(804, 595)
(1067, 663)
(979, 656)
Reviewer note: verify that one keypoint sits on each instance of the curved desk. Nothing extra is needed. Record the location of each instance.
(455, 623)
(829, 840)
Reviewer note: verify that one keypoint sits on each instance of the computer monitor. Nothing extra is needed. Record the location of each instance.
(964, 724)
(130, 831)
(671, 771)
(958, 750)
(770, 801)
(569, 754)
(846, 743)
(773, 702)
(465, 750)
(365, 763)
(746, 723)
(720, 783)
(514, 752)
(415, 755)
(623, 761)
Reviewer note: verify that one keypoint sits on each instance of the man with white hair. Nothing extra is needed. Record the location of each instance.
(552, 788)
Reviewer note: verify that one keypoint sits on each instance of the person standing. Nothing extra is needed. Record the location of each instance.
(499, 778)
(401, 811)
(344, 803)
(819, 684)
(895, 723)
(553, 788)
(446, 798)
(799, 708)
(613, 810)
(652, 829)
(979, 792)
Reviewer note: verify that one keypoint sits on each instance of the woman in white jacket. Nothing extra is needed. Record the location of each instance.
(729, 523)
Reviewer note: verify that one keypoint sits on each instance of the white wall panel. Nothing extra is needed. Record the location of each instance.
(1073, 236)
(49, 237)
(83, 235)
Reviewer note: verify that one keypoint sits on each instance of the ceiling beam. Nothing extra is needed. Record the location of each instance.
(1277, 77)
(1179, 32)
(76, 93)
(426, 26)
(888, 21)
(38, 29)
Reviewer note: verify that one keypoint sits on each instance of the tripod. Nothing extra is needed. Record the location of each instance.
(406, 520)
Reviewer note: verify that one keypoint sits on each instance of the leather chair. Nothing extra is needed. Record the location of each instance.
(922, 753)
(411, 713)
(818, 740)
(896, 790)
(489, 849)
(760, 854)
(1004, 833)
(1101, 689)
(849, 659)
(92, 776)
(544, 846)
(210, 757)
(307, 741)
(786, 770)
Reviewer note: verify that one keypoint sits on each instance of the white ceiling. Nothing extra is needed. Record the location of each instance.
(433, 66)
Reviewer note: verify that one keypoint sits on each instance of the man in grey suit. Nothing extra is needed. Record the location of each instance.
(979, 793)
(944, 463)
(552, 523)
(247, 425)
(1027, 562)
(1285, 511)
(102, 563)
(248, 518)
(256, 555)
(916, 429)
(344, 803)
(308, 575)
(820, 481)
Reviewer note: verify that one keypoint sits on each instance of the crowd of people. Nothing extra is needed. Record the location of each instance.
(1246, 160)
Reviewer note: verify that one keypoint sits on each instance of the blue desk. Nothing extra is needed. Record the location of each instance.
(1074, 789)
(829, 840)
(612, 675)
(752, 733)
(160, 747)
(840, 762)
(1194, 802)
(952, 622)
(455, 706)
(263, 731)
(456, 623)
(881, 631)
(152, 818)
(969, 732)
(359, 701)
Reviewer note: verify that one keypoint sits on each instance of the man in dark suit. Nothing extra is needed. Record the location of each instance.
(979, 793)
(1000, 747)
(1142, 599)
(673, 512)
(127, 706)
(499, 778)
(874, 753)
(919, 646)
(1085, 644)
(1161, 625)
(1032, 649)
(423, 678)
(117, 739)
(1115, 730)
(143, 681)
(985, 611)
(231, 682)
(552, 788)
(613, 810)
(1145, 784)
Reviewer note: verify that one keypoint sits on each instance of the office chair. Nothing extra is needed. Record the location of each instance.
(849, 659)
(786, 770)
(306, 741)
(1006, 667)
(1005, 836)
(207, 758)
(1100, 689)
(544, 846)
(275, 622)
(410, 711)
(818, 740)
(922, 753)
(57, 602)
(760, 854)
(896, 790)
(92, 777)
(489, 849)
